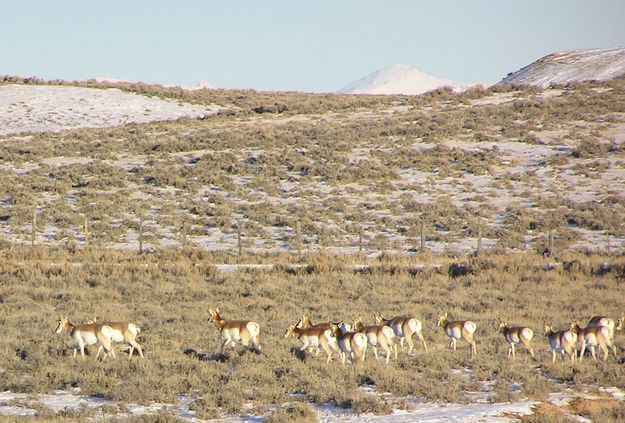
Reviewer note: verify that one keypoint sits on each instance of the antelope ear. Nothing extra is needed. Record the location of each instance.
(217, 310)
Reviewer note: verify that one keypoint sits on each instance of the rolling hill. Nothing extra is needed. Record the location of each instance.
(354, 172)
(571, 66)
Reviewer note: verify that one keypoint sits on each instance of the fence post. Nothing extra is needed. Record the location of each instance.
(422, 237)
(140, 235)
(550, 242)
(239, 240)
(86, 230)
(607, 242)
(298, 238)
(183, 233)
(479, 239)
(34, 227)
(360, 238)
(549, 251)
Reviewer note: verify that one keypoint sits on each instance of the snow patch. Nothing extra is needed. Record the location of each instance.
(43, 108)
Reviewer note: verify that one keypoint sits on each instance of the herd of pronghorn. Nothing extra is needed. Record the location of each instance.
(353, 340)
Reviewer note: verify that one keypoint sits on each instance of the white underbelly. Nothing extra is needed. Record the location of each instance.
(372, 338)
(87, 338)
(454, 333)
(233, 335)
(513, 338)
(398, 329)
(311, 341)
(117, 336)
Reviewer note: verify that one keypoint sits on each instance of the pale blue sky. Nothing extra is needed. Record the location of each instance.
(314, 46)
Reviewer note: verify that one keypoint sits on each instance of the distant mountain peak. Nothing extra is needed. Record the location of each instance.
(571, 66)
(399, 79)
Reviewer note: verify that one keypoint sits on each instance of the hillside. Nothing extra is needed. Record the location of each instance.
(42, 108)
(399, 79)
(571, 66)
(351, 171)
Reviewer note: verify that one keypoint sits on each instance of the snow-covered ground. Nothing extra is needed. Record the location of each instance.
(571, 66)
(42, 108)
(480, 409)
(431, 412)
(13, 404)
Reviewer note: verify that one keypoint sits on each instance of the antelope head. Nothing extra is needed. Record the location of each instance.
(290, 331)
(304, 322)
(344, 327)
(336, 329)
(214, 315)
(442, 319)
(61, 324)
(357, 324)
(548, 329)
(620, 323)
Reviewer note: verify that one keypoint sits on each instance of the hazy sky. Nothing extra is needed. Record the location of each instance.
(315, 46)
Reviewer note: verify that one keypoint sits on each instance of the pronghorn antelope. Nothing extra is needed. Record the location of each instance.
(404, 327)
(123, 332)
(88, 334)
(562, 341)
(515, 335)
(459, 329)
(235, 330)
(352, 343)
(593, 337)
(306, 323)
(313, 338)
(378, 336)
(605, 322)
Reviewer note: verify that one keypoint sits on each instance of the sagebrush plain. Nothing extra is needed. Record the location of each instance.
(361, 205)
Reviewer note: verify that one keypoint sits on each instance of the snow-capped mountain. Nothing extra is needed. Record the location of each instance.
(399, 79)
(571, 66)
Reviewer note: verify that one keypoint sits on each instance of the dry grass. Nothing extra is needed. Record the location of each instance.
(168, 296)
(342, 167)
(600, 411)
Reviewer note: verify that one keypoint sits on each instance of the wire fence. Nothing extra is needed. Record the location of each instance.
(147, 235)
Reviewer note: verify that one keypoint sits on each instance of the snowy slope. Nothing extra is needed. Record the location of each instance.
(41, 108)
(399, 79)
(571, 66)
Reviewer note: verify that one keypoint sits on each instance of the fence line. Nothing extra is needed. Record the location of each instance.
(297, 244)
